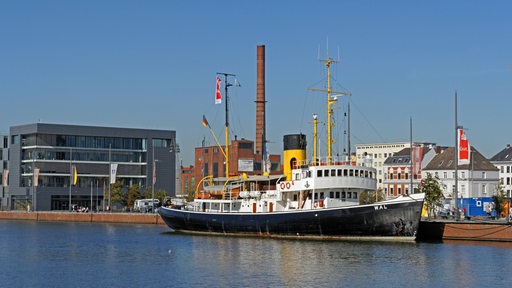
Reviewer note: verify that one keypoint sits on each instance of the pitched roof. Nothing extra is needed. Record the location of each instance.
(503, 155)
(404, 156)
(445, 161)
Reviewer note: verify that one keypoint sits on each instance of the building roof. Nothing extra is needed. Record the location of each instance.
(445, 161)
(503, 155)
(404, 156)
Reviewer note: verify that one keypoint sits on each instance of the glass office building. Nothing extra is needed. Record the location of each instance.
(51, 165)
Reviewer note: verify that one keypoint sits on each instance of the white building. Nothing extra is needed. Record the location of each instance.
(503, 161)
(374, 155)
(479, 178)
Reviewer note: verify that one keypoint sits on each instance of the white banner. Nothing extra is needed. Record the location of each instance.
(36, 177)
(113, 173)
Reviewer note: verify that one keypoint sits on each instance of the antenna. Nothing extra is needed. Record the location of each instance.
(327, 48)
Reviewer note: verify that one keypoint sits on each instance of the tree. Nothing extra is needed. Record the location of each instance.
(498, 200)
(433, 193)
(116, 193)
(133, 194)
(160, 194)
(370, 197)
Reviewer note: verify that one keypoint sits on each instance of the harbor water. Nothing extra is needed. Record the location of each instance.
(47, 254)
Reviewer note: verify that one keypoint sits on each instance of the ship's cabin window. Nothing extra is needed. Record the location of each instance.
(357, 173)
(333, 172)
(295, 197)
(339, 172)
(337, 194)
(343, 195)
(366, 174)
(297, 176)
(349, 195)
(321, 195)
(326, 173)
(345, 172)
(351, 172)
(354, 195)
(331, 194)
(318, 173)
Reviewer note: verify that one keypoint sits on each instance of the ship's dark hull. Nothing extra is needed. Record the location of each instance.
(396, 219)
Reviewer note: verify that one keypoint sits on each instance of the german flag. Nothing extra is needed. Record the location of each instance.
(205, 122)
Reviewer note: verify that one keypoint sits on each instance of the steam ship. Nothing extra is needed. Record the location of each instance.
(313, 199)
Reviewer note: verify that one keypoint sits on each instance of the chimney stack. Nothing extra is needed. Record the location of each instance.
(260, 102)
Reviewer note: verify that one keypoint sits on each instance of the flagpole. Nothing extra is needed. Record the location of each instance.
(33, 180)
(154, 177)
(411, 190)
(455, 192)
(70, 174)
(109, 207)
(91, 196)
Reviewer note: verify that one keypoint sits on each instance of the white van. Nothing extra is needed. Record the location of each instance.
(145, 205)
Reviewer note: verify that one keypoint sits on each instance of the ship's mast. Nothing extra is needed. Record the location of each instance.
(226, 86)
(330, 100)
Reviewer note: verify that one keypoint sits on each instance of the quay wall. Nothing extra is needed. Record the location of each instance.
(128, 218)
(465, 230)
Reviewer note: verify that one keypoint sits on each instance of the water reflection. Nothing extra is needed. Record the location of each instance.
(83, 255)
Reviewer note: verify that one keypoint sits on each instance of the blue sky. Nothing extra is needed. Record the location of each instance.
(152, 64)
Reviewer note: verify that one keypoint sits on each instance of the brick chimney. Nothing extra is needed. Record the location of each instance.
(260, 101)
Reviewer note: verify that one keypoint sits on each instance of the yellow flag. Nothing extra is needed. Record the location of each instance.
(75, 175)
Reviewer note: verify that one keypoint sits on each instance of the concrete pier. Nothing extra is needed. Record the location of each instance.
(128, 218)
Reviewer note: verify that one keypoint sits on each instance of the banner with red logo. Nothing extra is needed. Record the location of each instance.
(463, 144)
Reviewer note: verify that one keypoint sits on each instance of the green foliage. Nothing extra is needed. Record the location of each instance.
(433, 194)
(160, 194)
(498, 200)
(116, 193)
(133, 194)
(370, 197)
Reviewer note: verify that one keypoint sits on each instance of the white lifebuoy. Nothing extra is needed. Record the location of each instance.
(281, 185)
(288, 185)
(315, 205)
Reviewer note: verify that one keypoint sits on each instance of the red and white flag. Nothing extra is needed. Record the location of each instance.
(5, 177)
(218, 96)
(463, 144)
(417, 154)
